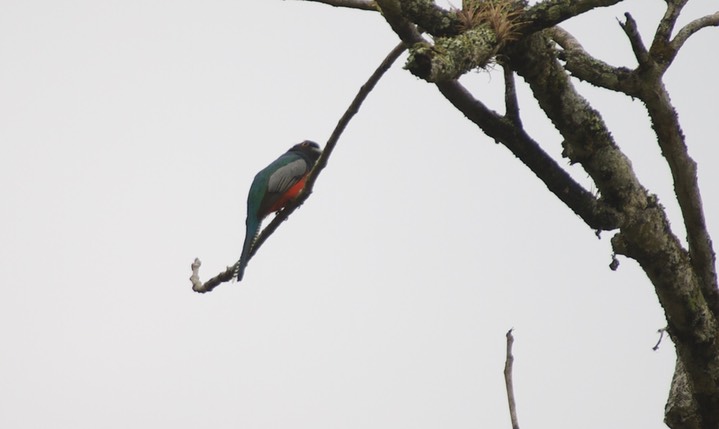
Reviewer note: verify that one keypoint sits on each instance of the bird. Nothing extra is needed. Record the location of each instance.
(273, 188)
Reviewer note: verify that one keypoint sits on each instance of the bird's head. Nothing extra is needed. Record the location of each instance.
(309, 149)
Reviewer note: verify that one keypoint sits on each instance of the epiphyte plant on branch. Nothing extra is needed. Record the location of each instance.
(478, 31)
(444, 44)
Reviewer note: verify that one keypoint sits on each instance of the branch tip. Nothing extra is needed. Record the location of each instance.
(508, 364)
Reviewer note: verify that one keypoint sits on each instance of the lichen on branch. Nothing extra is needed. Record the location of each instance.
(484, 27)
(451, 57)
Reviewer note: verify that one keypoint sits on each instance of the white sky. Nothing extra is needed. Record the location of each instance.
(130, 132)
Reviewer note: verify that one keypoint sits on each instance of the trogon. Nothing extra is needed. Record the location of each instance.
(273, 188)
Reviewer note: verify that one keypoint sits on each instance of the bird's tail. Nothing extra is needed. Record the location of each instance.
(253, 228)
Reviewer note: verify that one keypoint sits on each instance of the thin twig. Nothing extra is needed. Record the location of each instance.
(200, 287)
(508, 381)
(661, 337)
(353, 108)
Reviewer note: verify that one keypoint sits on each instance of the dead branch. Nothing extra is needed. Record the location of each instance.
(635, 39)
(509, 362)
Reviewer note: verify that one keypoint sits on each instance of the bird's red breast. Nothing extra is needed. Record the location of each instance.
(285, 198)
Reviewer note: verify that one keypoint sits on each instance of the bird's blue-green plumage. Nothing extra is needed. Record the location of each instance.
(269, 191)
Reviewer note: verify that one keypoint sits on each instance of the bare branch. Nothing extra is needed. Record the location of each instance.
(691, 28)
(392, 12)
(670, 137)
(589, 69)
(432, 18)
(364, 91)
(587, 139)
(630, 29)
(508, 381)
(661, 50)
(200, 287)
(548, 13)
(645, 234)
(352, 4)
(661, 337)
(594, 212)
(666, 25)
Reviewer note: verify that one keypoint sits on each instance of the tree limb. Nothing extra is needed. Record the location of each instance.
(665, 28)
(548, 13)
(589, 69)
(351, 4)
(430, 17)
(587, 140)
(509, 362)
(451, 57)
(511, 105)
(406, 30)
(635, 39)
(594, 212)
(207, 286)
(645, 83)
(691, 28)
(645, 234)
(665, 122)
(681, 410)
(329, 146)
(670, 137)
(353, 108)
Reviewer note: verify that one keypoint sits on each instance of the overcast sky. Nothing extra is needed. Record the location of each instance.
(130, 132)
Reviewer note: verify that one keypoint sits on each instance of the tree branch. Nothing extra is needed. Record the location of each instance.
(589, 69)
(635, 39)
(645, 234)
(451, 57)
(406, 30)
(549, 13)
(511, 105)
(329, 146)
(430, 17)
(670, 137)
(595, 213)
(509, 362)
(351, 4)
(353, 108)
(681, 410)
(662, 50)
(665, 27)
(645, 83)
(207, 286)
(691, 28)
(587, 140)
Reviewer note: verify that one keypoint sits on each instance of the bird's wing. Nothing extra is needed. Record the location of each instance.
(286, 176)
